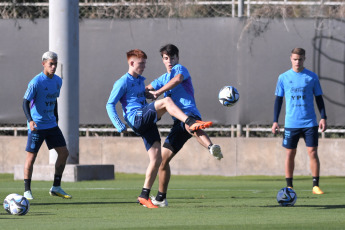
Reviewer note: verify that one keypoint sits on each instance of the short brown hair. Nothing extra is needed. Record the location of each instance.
(136, 53)
(299, 51)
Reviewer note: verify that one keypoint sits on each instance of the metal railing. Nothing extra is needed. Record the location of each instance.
(234, 130)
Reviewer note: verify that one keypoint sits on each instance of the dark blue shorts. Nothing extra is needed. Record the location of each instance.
(145, 125)
(178, 135)
(53, 138)
(292, 135)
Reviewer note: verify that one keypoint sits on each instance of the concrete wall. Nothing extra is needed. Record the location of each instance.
(216, 51)
(242, 156)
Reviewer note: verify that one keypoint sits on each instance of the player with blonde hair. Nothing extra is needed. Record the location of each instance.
(299, 86)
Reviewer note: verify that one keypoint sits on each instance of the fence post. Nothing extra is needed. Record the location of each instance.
(239, 130)
(240, 7)
(233, 13)
(247, 131)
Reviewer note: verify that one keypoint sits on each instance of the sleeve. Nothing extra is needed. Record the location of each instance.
(317, 87)
(180, 70)
(26, 108)
(118, 91)
(30, 91)
(277, 107)
(158, 83)
(280, 87)
(321, 106)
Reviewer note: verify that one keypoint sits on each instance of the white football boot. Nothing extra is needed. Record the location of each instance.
(161, 204)
(216, 152)
(28, 195)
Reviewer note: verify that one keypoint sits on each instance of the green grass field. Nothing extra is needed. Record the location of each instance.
(195, 202)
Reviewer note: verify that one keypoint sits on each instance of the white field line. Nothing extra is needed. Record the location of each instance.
(178, 189)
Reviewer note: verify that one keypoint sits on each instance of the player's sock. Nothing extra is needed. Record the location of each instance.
(27, 184)
(316, 181)
(190, 121)
(289, 182)
(160, 196)
(57, 180)
(145, 193)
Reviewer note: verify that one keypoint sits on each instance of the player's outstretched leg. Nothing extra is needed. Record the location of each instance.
(168, 105)
(58, 191)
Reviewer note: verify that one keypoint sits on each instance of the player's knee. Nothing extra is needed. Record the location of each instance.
(168, 100)
(63, 152)
(165, 164)
(313, 154)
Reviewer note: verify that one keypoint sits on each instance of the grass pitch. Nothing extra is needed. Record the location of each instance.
(195, 202)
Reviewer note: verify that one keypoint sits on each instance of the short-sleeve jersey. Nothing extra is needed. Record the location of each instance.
(130, 91)
(42, 92)
(299, 90)
(183, 93)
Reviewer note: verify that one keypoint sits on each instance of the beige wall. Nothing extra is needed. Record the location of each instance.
(242, 156)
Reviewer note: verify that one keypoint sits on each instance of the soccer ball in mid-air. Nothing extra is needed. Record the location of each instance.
(228, 96)
(286, 197)
(17, 204)
(7, 202)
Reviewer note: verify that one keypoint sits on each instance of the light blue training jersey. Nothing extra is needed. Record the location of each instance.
(130, 91)
(299, 90)
(183, 93)
(42, 92)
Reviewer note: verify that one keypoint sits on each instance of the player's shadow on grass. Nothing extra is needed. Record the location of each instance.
(5, 216)
(309, 206)
(322, 206)
(82, 203)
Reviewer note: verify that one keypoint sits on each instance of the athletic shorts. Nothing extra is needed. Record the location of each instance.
(178, 135)
(292, 135)
(52, 136)
(145, 125)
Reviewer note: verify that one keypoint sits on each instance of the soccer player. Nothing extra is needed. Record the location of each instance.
(176, 84)
(299, 86)
(142, 117)
(40, 108)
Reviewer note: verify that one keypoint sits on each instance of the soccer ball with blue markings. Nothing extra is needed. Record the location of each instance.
(286, 197)
(6, 203)
(16, 204)
(228, 96)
